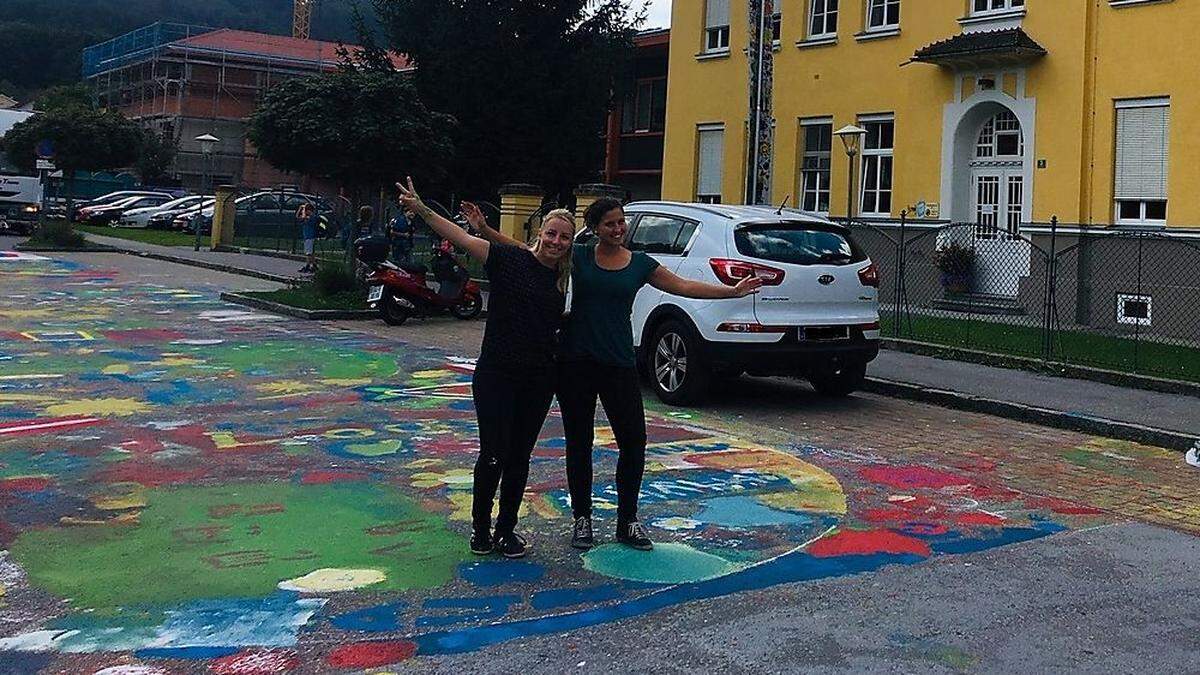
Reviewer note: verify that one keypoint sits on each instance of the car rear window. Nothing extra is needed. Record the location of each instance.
(798, 244)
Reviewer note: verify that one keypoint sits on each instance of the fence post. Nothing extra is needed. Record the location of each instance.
(518, 201)
(1049, 307)
(899, 290)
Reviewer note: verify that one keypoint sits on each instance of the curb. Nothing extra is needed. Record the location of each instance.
(1115, 378)
(221, 248)
(93, 248)
(297, 312)
(217, 267)
(1098, 426)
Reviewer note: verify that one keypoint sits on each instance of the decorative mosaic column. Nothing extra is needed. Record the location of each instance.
(761, 123)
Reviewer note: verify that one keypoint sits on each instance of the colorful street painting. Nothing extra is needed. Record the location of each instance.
(189, 485)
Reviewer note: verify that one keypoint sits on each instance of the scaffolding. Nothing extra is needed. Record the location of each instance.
(176, 85)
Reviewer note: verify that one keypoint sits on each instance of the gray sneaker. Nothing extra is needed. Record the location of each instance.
(581, 537)
(633, 535)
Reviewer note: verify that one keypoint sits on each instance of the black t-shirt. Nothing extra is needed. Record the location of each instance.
(525, 311)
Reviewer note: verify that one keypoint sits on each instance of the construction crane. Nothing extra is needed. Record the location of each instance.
(302, 17)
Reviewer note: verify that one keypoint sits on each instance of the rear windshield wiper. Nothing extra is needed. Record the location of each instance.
(834, 257)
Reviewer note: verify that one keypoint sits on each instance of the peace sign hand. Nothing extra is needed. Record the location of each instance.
(409, 197)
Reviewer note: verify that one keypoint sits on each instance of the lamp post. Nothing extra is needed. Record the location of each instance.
(851, 136)
(208, 143)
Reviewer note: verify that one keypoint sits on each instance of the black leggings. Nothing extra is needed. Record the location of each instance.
(580, 383)
(511, 410)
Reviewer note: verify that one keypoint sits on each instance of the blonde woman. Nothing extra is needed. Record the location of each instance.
(515, 375)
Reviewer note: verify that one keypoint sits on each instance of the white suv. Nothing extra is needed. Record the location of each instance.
(817, 315)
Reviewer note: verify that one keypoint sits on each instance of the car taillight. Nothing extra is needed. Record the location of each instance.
(750, 328)
(730, 272)
(869, 276)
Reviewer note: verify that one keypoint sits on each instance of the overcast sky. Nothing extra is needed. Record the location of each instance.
(660, 14)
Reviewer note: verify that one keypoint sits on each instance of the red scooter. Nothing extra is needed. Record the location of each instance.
(403, 291)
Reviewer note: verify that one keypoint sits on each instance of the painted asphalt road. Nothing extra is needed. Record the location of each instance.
(188, 486)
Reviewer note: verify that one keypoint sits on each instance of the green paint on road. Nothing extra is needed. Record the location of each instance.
(241, 541)
(666, 564)
(279, 358)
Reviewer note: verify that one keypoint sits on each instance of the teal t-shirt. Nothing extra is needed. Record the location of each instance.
(601, 305)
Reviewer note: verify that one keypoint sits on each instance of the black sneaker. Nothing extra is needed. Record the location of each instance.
(481, 543)
(510, 545)
(633, 535)
(582, 537)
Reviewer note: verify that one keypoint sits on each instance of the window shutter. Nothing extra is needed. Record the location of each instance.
(717, 13)
(712, 153)
(1142, 145)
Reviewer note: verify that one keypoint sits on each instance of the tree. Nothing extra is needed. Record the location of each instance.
(363, 127)
(530, 81)
(79, 139)
(155, 155)
(65, 97)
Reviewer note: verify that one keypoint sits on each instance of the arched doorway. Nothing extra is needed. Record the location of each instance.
(998, 177)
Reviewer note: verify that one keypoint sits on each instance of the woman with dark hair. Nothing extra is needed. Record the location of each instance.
(597, 361)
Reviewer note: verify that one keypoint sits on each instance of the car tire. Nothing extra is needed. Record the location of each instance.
(840, 381)
(678, 371)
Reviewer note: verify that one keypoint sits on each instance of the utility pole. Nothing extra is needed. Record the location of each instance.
(762, 75)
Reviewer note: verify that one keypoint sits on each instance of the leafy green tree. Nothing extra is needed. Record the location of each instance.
(363, 127)
(155, 155)
(66, 97)
(80, 139)
(530, 81)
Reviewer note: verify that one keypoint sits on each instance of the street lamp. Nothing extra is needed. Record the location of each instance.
(208, 143)
(851, 136)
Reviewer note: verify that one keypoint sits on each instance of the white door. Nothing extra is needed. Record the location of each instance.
(997, 204)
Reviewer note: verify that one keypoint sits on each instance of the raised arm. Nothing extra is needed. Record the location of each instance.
(665, 280)
(479, 222)
(474, 246)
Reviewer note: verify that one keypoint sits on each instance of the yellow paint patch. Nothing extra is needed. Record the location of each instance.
(123, 519)
(286, 387)
(116, 369)
(39, 313)
(351, 382)
(101, 407)
(432, 374)
(458, 479)
(133, 498)
(817, 490)
(333, 580)
(424, 463)
(9, 399)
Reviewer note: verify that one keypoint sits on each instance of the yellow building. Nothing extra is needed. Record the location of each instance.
(1003, 112)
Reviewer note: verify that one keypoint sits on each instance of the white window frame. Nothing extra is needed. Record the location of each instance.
(811, 17)
(885, 26)
(1143, 202)
(718, 30)
(877, 154)
(710, 197)
(1006, 7)
(803, 190)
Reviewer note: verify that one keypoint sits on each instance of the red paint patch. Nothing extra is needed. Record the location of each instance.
(142, 335)
(8, 533)
(25, 484)
(867, 542)
(325, 477)
(255, 662)
(912, 477)
(371, 654)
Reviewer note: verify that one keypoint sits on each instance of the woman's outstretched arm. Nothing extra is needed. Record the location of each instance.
(478, 221)
(474, 246)
(666, 280)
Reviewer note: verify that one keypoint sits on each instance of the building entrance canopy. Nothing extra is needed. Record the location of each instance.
(972, 51)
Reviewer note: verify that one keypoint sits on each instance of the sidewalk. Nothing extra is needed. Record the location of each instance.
(271, 268)
(1168, 420)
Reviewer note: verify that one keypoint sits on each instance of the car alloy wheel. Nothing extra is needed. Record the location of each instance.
(670, 362)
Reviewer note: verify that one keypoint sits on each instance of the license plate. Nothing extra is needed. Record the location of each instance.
(825, 333)
(375, 294)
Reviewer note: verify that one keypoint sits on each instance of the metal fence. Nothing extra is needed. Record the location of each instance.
(267, 222)
(1118, 299)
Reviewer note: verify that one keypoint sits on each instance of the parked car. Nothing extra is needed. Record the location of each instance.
(268, 214)
(816, 316)
(113, 197)
(163, 214)
(105, 214)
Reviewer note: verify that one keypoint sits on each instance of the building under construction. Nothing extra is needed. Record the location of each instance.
(187, 81)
